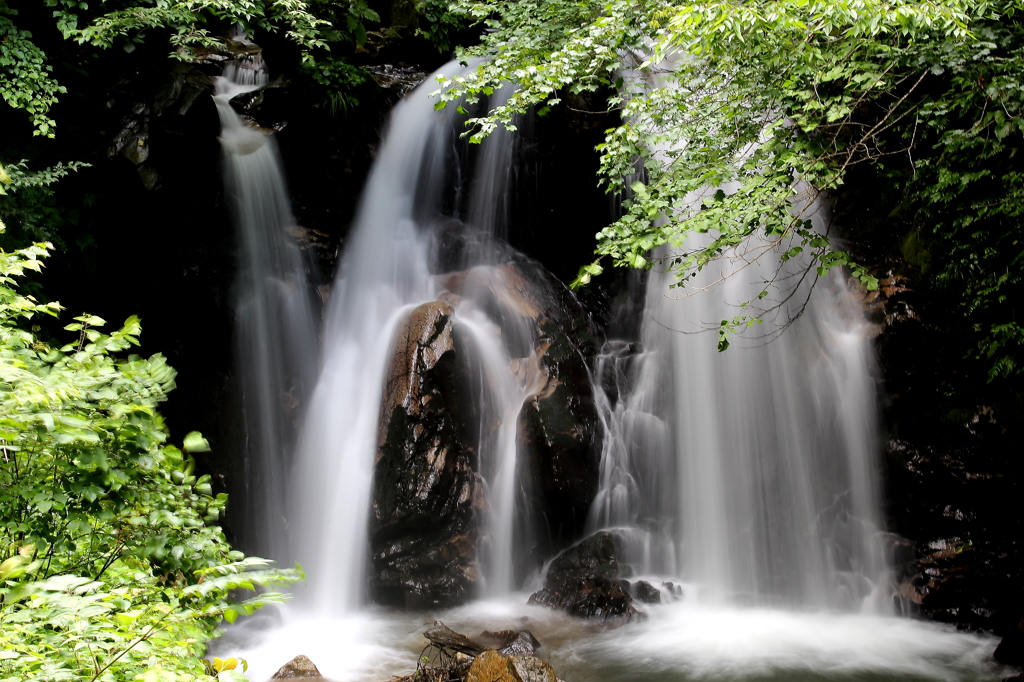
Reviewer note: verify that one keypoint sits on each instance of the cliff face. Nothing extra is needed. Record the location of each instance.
(951, 441)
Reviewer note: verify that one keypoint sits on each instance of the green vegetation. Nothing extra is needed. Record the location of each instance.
(189, 28)
(110, 565)
(759, 93)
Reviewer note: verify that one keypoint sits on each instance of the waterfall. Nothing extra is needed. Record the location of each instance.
(275, 325)
(393, 263)
(748, 474)
(755, 466)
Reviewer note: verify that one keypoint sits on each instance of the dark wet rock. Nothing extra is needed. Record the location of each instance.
(173, 100)
(299, 668)
(676, 591)
(1011, 648)
(646, 592)
(497, 638)
(955, 509)
(265, 107)
(426, 492)
(559, 427)
(396, 80)
(548, 335)
(522, 643)
(583, 581)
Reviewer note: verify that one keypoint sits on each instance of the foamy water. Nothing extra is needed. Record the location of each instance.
(680, 641)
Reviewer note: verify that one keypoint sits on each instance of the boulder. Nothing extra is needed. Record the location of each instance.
(548, 335)
(646, 592)
(533, 669)
(492, 666)
(426, 493)
(522, 643)
(428, 508)
(584, 582)
(299, 668)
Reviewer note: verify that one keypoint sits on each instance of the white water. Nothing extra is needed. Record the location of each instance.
(386, 271)
(750, 473)
(679, 642)
(276, 330)
(693, 467)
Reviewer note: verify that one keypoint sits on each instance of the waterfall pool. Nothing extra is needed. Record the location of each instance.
(678, 642)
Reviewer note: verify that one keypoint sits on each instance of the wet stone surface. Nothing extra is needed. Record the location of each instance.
(426, 492)
(584, 582)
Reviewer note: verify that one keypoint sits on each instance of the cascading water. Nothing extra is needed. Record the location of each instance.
(387, 271)
(276, 329)
(747, 473)
(755, 465)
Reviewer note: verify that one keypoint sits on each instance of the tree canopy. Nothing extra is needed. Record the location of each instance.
(758, 94)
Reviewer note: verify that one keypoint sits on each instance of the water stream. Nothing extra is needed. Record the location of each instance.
(745, 477)
(276, 330)
(750, 473)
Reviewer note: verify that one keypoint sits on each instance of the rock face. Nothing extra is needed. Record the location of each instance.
(584, 582)
(429, 507)
(299, 668)
(559, 427)
(426, 492)
(548, 332)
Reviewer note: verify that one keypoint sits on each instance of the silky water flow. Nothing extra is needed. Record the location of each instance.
(750, 474)
(276, 332)
(746, 477)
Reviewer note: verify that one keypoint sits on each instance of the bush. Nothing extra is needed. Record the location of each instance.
(110, 567)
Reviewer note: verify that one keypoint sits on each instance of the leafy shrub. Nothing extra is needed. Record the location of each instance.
(110, 568)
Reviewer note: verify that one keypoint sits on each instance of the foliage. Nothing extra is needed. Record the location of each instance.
(110, 567)
(190, 27)
(338, 79)
(740, 98)
(442, 25)
(130, 626)
(189, 19)
(26, 80)
(964, 196)
(28, 207)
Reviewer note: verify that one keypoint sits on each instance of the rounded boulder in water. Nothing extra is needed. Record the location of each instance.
(299, 668)
(492, 666)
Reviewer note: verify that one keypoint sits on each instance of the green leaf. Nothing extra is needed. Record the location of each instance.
(194, 442)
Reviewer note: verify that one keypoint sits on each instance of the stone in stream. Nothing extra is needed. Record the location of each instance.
(646, 592)
(299, 668)
(425, 490)
(584, 582)
(523, 643)
(492, 666)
